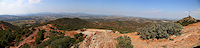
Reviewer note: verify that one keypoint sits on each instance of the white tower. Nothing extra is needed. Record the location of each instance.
(189, 13)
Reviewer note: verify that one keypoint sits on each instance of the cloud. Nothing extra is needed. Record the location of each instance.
(34, 1)
(153, 11)
(18, 4)
(151, 8)
(198, 9)
(2, 3)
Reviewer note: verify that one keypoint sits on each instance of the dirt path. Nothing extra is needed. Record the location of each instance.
(28, 39)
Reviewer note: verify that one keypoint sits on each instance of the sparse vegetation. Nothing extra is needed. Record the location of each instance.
(124, 42)
(61, 41)
(69, 24)
(10, 26)
(6, 38)
(164, 46)
(159, 30)
(186, 21)
(65, 42)
(122, 26)
(25, 46)
(40, 37)
(171, 39)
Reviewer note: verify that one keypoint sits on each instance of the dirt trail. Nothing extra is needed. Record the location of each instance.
(100, 39)
(29, 39)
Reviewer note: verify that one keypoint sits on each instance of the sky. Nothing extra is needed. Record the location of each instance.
(169, 9)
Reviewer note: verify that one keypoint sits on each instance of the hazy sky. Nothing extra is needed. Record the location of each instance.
(139, 8)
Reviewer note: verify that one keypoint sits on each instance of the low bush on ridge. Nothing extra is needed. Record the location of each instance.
(159, 30)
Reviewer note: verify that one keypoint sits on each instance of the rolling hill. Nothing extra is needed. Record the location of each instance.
(6, 26)
(122, 26)
(187, 20)
(69, 24)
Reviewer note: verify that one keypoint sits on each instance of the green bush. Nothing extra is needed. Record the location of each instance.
(59, 33)
(171, 39)
(51, 28)
(41, 37)
(17, 38)
(159, 30)
(65, 42)
(164, 46)
(25, 46)
(6, 38)
(76, 36)
(61, 41)
(80, 38)
(37, 40)
(52, 38)
(124, 42)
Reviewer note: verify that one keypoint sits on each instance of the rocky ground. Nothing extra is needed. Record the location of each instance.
(98, 39)
(102, 39)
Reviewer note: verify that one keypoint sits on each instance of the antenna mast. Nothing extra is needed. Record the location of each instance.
(189, 11)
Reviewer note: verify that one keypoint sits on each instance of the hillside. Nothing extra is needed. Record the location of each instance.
(69, 24)
(6, 26)
(76, 23)
(3, 17)
(187, 20)
(28, 20)
(105, 39)
(122, 26)
(7, 33)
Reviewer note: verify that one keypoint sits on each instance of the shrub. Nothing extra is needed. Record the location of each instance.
(37, 40)
(51, 28)
(159, 30)
(65, 42)
(76, 36)
(59, 33)
(6, 38)
(41, 37)
(52, 38)
(25, 46)
(171, 39)
(17, 38)
(61, 41)
(124, 42)
(52, 31)
(80, 34)
(164, 46)
(81, 38)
